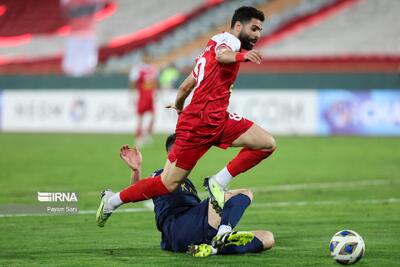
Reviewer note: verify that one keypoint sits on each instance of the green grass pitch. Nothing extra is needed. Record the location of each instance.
(309, 189)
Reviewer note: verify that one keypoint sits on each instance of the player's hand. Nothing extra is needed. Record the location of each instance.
(253, 56)
(131, 156)
(178, 110)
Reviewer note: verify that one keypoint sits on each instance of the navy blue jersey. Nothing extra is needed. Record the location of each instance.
(176, 202)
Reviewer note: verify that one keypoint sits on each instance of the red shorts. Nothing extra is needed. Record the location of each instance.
(145, 104)
(188, 149)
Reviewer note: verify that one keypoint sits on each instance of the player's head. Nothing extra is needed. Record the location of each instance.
(247, 22)
(170, 142)
(146, 58)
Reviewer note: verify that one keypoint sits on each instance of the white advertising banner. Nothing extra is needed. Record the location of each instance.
(78, 111)
(278, 111)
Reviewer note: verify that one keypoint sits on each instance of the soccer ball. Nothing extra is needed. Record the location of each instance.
(347, 247)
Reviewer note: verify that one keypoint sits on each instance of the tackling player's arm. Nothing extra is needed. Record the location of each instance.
(227, 56)
(184, 91)
(133, 159)
(135, 176)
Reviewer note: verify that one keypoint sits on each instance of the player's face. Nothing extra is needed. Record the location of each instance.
(250, 33)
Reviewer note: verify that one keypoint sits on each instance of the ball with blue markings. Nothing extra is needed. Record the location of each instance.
(347, 247)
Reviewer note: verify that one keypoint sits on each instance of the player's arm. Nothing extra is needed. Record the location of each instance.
(135, 176)
(184, 91)
(134, 74)
(133, 159)
(132, 85)
(227, 56)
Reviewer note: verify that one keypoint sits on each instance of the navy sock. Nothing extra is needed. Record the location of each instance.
(234, 209)
(254, 246)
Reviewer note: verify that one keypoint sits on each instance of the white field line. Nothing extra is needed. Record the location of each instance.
(329, 185)
(255, 205)
(313, 186)
(81, 212)
(326, 202)
(276, 188)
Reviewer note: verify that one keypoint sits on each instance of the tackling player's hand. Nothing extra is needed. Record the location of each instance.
(131, 156)
(178, 110)
(253, 56)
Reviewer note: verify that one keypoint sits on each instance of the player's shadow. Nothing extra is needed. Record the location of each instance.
(123, 252)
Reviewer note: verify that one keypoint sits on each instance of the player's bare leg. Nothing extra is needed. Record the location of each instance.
(150, 127)
(257, 145)
(255, 138)
(266, 237)
(151, 124)
(139, 130)
(173, 176)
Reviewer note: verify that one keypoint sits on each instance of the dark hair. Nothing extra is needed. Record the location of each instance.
(245, 14)
(170, 141)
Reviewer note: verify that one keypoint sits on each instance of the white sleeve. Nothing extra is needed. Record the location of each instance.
(134, 73)
(227, 40)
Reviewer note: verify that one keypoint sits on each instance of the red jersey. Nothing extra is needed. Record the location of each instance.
(145, 78)
(214, 81)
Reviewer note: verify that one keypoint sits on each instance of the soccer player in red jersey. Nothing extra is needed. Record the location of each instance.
(205, 122)
(144, 78)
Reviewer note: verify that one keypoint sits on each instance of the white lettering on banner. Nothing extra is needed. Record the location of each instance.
(278, 111)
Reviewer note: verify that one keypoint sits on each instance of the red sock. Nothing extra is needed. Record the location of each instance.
(144, 189)
(247, 159)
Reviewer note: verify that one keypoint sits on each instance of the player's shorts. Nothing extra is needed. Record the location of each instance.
(188, 149)
(186, 228)
(145, 104)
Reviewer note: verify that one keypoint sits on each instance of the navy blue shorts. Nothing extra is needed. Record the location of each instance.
(186, 228)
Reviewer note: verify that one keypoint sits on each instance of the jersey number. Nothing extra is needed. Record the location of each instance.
(234, 116)
(199, 70)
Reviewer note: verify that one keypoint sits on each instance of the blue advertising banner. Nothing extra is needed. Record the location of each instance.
(375, 112)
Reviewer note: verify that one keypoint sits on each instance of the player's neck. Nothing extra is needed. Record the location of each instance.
(234, 32)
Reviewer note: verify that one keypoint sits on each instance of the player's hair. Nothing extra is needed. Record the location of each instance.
(170, 141)
(245, 14)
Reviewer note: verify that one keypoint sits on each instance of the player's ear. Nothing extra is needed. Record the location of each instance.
(238, 26)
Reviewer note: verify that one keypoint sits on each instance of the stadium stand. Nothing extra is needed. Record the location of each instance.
(127, 18)
(297, 36)
(358, 30)
(340, 38)
(278, 14)
(170, 47)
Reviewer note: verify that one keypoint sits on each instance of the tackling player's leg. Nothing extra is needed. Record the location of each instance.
(230, 239)
(263, 240)
(227, 241)
(237, 201)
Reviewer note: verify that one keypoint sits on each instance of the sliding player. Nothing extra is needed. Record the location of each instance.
(185, 222)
